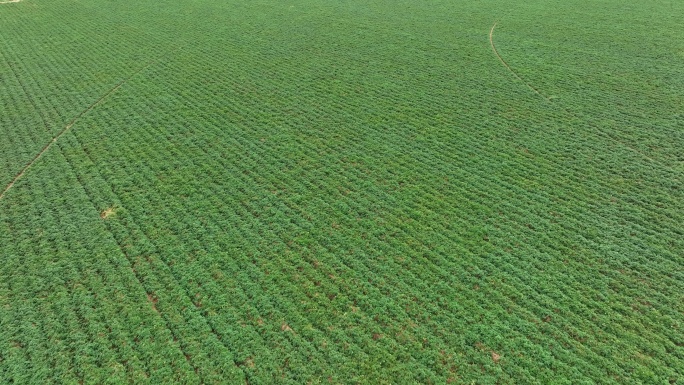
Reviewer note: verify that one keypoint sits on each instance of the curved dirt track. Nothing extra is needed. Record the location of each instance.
(491, 41)
(536, 91)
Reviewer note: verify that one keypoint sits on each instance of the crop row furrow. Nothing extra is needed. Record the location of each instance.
(173, 208)
(163, 289)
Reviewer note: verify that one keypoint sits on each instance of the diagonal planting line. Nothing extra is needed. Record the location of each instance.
(72, 122)
(567, 111)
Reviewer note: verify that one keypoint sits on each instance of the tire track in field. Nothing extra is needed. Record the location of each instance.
(9, 1)
(564, 109)
(73, 121)
(491, 41)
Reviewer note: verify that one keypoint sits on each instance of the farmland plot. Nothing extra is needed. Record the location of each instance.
(376, 192)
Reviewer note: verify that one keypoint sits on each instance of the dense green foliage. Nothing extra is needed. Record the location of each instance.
(313, 191)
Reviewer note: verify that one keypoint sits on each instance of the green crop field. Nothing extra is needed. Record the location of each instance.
(342, 191)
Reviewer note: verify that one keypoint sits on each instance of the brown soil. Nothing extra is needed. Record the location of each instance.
(107, 213)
